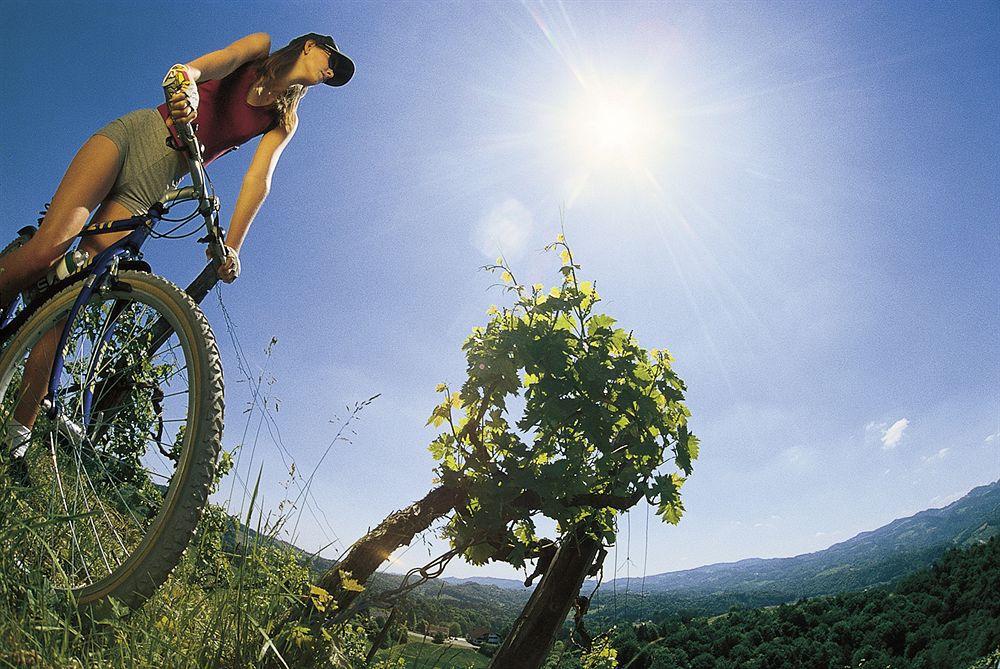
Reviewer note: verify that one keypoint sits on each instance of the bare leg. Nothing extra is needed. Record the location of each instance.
(39, 363)
(86, 183)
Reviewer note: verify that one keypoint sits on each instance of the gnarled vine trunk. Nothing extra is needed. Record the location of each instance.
(397, 530)
(363, 559)
(528, 643)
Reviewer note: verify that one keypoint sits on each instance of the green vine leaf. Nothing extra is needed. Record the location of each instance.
(598, 419)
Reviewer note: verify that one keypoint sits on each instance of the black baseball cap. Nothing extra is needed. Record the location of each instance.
(343, 67)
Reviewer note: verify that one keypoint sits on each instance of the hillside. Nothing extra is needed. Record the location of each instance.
(870, 558)
(502, 583)
(944, 616)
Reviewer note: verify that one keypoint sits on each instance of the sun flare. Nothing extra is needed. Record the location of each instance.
(614, 128)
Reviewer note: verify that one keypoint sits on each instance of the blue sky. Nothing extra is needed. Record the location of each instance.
(807, 220)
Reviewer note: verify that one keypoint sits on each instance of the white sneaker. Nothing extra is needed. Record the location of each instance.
(17, 438)
(14, 445)
(70, 429)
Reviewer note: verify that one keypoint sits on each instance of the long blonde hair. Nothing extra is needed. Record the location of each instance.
(271, 68)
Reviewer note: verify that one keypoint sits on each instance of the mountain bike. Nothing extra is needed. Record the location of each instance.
(124, 450)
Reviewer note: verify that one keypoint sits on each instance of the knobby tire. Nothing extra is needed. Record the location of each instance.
(148, 564)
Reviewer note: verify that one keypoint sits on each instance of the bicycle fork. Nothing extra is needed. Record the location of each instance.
(104, 272)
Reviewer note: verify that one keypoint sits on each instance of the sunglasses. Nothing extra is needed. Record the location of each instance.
(330, 54)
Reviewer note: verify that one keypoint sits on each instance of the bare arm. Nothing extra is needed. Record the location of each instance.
(183, 104)
(256, 184)
(217, 64)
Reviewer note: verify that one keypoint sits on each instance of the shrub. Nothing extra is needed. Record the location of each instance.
(488, 649)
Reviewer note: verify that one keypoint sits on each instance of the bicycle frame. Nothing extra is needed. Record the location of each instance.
(102, 272)
(124, 372)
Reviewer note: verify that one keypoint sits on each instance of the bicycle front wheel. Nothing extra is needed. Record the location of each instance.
(118, 480)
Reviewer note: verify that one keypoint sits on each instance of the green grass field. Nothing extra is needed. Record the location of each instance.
(427, 655)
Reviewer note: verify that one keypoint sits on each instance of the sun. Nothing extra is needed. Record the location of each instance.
(614, 128)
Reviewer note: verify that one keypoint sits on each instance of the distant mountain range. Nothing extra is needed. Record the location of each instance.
(869, 559)
(502, 583)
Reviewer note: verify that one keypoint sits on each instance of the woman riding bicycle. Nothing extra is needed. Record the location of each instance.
(236, 94)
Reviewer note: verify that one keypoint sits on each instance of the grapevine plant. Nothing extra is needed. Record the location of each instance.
(601, 417)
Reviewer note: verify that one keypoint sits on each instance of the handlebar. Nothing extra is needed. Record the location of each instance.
(207, 203)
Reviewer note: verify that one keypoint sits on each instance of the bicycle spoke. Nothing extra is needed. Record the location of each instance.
(62, 495)
(117, 488)
(105, 460)
(109, 520)
(93, 526)
(124, 376)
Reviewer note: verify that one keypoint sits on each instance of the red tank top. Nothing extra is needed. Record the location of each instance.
(225, 119)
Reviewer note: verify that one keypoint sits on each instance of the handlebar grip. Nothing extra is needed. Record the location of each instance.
(176, 80)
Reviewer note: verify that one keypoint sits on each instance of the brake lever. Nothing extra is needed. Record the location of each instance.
(216, 247)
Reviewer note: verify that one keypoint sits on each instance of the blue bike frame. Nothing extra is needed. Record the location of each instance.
(103, 271)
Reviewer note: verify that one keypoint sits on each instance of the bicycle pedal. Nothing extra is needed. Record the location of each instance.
(23, 235)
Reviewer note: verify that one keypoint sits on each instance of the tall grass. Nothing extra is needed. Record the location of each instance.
(218, 609)
(222, 606)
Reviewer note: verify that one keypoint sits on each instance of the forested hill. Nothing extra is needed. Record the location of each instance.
(945, 616)
(870, 558)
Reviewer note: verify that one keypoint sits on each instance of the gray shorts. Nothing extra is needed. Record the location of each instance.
(148, 168)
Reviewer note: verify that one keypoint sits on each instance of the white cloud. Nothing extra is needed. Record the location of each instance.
(503, 230)
(992, 437)
(892, 436)
(873, 432)
(940, 501)
(940, 455)
(832, 534)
